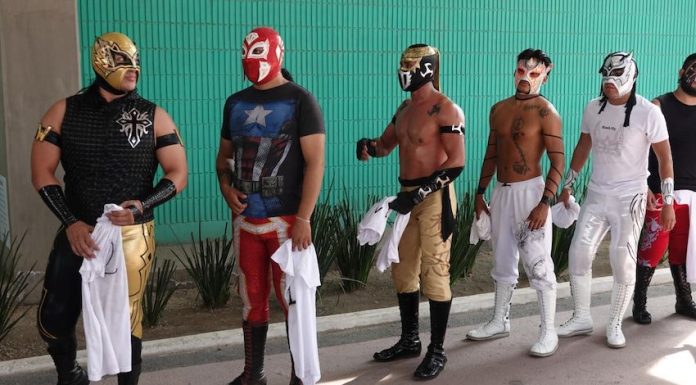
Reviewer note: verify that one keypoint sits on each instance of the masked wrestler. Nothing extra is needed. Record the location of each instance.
(110, 142)
(429, 130)
(273, 132)
(679, 109)
(522, 128)
(619, 128)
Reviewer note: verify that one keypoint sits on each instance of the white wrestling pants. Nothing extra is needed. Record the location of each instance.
(511, 237)
(623, 215)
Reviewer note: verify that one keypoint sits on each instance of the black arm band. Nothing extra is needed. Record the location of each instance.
(453, 129)
(163, 191)
(46, 134)
(436, 181)
(167, 140)
(545, 200)
(480, 191)
(54, 198)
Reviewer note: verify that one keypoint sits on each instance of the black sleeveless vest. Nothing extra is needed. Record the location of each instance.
(681, 125)
(107, 152)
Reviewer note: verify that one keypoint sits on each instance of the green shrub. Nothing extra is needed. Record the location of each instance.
(159, 289)
(324, 236)
(463, 254)
(562, 238)
(210, 263)
(353, 261)
(13, 284)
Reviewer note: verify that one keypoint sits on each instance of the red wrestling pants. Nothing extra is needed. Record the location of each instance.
(255, 241)
(654, 241)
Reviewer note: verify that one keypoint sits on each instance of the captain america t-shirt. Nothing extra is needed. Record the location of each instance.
(265, 127)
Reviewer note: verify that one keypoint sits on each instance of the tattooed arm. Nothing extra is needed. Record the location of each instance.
(552, 128)
(488, 167)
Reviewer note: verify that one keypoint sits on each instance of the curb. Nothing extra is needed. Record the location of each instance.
(335, 322)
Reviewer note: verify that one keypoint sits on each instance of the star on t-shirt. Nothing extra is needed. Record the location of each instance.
(257, 115)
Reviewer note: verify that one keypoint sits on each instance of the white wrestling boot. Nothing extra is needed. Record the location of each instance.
(499, 325)
(620, 299)
(581, 321)
(548, 340)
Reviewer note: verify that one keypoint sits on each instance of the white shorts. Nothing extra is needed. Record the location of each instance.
(511, 237)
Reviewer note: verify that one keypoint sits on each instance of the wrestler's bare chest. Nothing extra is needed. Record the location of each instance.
(416, 124)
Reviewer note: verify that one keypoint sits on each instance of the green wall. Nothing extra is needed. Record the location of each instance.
(346, 52)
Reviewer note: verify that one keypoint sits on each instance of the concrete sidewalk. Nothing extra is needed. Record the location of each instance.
(661, 353)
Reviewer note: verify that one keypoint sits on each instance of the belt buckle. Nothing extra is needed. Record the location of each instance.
(246, 186)
(271, 186)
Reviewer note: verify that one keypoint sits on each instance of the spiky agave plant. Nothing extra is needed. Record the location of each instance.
(13, 284)
(210, 263)
(353, 261)
(562, 238)
(463, 254)
(159, 290)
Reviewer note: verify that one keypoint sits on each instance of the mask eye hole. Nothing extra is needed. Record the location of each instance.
(120, 59)
(520, 71)
(258, 50)
(616, 72)
(244, 51)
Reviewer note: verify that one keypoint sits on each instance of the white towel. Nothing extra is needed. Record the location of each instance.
(390, 250)
(301, 280)
(371, 227)
(105, 309)
(481, 229)
(688, 197)
(564, 217)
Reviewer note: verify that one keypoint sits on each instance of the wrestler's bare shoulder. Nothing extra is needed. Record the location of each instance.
(54, 116)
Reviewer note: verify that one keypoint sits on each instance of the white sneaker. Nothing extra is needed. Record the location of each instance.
(490, 331)
(615, 336)
(576, 326)
(548, 340)
(499, 325)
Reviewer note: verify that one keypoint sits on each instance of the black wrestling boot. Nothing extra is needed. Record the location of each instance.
(685, 304)
(409, 344)
(254, 350)
(644, 275)
(132, 377)
(435, 359)
(63, 351)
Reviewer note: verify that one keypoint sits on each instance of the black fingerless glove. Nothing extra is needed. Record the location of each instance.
(163, 191)
(371, 149)
(405, 201)
(54, 198)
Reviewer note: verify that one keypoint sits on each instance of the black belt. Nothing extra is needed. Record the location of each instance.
(268, 186)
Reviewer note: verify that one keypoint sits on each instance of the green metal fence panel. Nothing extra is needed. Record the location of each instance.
(346, 52)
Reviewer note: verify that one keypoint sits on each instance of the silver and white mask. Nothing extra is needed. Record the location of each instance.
(620, 70)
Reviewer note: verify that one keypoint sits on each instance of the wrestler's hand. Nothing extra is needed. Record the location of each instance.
(667, 217)
(404, 202)
(301, 235)
(652, 201)
(235, 199)
(126, 216)
(80, 238)
(480, 206)
(537, 218)
(362, 151)
(565, 197)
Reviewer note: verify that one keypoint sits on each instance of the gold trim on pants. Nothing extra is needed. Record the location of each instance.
(138, 250)
(423, 255)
